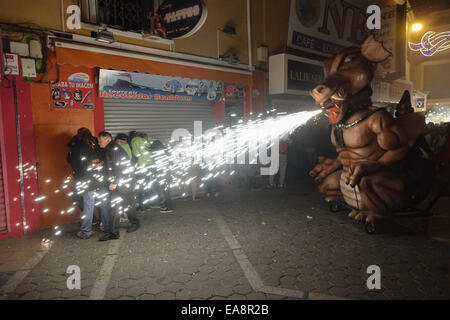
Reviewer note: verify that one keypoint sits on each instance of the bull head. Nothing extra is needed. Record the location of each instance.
(348, 72)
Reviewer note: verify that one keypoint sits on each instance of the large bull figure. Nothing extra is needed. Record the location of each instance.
(378, 169)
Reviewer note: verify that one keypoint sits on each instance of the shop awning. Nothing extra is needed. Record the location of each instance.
(93, 56)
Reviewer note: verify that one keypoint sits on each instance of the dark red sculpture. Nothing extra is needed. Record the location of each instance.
(378, 168)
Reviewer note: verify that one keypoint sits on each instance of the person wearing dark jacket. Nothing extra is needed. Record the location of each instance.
(88, 173)
(120, 178)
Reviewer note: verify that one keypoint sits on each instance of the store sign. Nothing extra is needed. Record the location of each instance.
(326, 26)
(303, 76)
(77, 92)
(140, 86)
(11, 64)
(431, 43)
(181, 19)
(293, 75)
(234, 92)
(419, 101)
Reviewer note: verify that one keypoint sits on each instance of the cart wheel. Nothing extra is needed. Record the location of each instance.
(370, 228)
(335, 206)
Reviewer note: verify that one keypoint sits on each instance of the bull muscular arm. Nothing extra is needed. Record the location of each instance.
(324, 167)
(390, 137)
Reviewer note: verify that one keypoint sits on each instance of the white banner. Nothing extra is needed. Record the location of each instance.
(326, 26)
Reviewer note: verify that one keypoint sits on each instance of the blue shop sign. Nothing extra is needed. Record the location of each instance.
(141, 86)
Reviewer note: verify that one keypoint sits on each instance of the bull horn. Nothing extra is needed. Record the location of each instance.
(374, 50)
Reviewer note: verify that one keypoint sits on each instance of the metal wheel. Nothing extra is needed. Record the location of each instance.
(335, 206)
(370, 228)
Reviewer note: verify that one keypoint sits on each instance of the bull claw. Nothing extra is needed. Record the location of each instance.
(353, 214)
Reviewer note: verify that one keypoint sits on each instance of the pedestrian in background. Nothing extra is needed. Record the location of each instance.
(282, 164)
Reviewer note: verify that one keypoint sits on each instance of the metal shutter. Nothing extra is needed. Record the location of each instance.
(157, 119)
(3, 219)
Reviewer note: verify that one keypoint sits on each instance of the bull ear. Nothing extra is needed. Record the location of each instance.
(327, 67)
(374, 50)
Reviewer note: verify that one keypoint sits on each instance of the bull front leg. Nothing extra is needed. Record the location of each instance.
(381, 190)
(326, 173)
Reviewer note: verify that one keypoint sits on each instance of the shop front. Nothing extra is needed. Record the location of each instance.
(120, 91)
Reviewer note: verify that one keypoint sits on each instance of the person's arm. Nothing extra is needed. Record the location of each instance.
(136, 144)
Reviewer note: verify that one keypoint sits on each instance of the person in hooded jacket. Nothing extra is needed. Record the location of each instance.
(120, 171)
(89, 176)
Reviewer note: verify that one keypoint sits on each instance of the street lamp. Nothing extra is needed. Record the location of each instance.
(227, 30)
(416, 27)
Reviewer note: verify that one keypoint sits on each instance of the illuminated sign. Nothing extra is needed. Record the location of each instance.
(432, 43)
(181, 19)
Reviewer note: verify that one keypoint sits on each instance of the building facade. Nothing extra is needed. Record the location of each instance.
(117, 70)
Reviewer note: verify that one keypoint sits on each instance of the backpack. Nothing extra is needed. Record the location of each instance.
(155, 145)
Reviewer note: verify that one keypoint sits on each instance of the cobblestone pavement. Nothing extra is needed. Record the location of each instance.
(287, 239)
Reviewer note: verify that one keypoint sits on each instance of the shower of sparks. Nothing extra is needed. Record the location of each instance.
(198, 159)
(437, 115)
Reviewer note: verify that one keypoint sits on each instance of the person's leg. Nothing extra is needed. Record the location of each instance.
(129, 203)
(114, 218)
(167, 198)
(271, 178)
(194, 187)
(104, 207)
(283, 165)
(142, 192)
(88, 212)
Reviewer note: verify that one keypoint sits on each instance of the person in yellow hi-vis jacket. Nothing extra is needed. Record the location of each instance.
(140, 146)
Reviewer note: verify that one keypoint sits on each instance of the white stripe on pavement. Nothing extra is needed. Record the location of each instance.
(101, 283)
(19, 275)
(252, 275)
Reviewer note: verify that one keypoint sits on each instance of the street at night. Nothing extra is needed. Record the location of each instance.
(217, 158)
(257, 244)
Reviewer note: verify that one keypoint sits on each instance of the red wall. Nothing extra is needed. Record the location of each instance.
(10, 158)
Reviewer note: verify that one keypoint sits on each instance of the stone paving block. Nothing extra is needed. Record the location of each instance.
(125, 298)
(32, 295)
(114, 293)
(224, 291)
(203, 293)
(217, 298)
(50, 294)
(174, 287)
(24, 288)
(70, 293)
(134, 291)
(154, 288)
(146, 296)
(78, 298)
(243, 289)
(165, 296)
(128, 283)
(237, 297)
(256, 296)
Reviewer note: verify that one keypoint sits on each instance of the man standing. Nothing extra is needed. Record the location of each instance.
(87, 170)
(120, 176)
